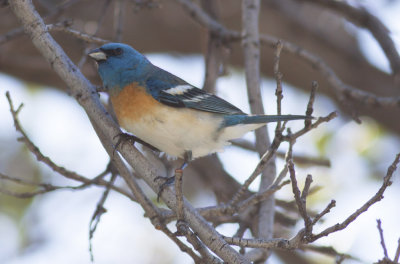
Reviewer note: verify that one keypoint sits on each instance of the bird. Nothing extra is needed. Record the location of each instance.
(165, 111)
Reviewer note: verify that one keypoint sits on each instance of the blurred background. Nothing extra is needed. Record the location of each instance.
(54, 227)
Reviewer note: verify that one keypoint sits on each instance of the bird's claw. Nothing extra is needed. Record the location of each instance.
(124, 137)
(167, 181)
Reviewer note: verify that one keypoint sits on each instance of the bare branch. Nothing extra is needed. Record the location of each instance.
(299, 159)
(343, 90)
(251, 50)
(259, 168)
(397, 254)
(272, 149)
(300, 198)
(319, 121)
(44, 187)
(152, 212)
(310, 109)
(278, 79)
(324, 212)
(79, 35)
(379, 226)
(100, 210)
(258, 197)
(376, 198)
(205, 20)
(306, 188)
(362, 18)
(183, 229)
(17, 32)
(181, 245)
(85, 94)
(46, 160)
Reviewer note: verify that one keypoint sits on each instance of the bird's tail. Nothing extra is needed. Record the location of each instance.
(232, 120)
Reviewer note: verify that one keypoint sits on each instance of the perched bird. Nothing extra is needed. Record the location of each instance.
(167, 112)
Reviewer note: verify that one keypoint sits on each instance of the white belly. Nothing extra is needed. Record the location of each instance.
(176, 131)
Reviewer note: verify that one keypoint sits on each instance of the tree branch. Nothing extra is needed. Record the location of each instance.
(374, 199)
(342, 90)
(85, 94)
(251, 50)
(362, 18)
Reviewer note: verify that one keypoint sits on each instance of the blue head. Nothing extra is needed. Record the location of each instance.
(119, 65)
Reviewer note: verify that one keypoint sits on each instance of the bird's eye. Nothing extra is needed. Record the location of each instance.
(118, 51)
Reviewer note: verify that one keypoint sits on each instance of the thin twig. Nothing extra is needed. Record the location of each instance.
(183, 229)
(17, 32)
(100, 210)
(79, 35)
(46, 160)
(207, 21)
(314, 125)
(374, 199)
(301, 204)
(397, 254)
(327, 209)
(278, 78)
(306, 188)
(45, 187)
(299, 159)
(181, 245)
(259, 168)
(259, 197)
(379, 226)
(310, 108)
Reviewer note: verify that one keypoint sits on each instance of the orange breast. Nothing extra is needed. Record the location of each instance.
(132, 103)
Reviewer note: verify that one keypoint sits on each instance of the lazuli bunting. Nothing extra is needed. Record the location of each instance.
(167, 112)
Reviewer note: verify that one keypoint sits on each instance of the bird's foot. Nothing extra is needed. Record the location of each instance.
(167, 182)
(124, 137)
(170, 180)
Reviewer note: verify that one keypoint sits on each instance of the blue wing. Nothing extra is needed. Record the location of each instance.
(173, 91)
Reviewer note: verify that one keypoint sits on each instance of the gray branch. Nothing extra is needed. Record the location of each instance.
(85, 93)
(251, 49)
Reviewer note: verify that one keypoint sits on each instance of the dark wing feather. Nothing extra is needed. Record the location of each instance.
(160, 82)
(198, 99)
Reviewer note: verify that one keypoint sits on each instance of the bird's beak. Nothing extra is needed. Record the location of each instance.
(97, 55)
